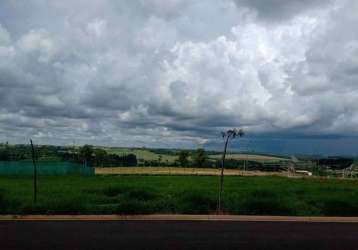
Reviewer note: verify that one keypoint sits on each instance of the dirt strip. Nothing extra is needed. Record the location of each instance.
(175, 218)
(181, 171)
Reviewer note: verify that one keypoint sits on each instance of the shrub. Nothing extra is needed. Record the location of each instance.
(141, 194)
(196, 202)
(338, 207)
(114, 190)
(3, 203)
(133, 207)
(137, 193)
(263, 202)
(63, 205)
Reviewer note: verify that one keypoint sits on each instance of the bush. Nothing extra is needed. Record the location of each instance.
(63, 205)
(114, 190)
(338, 207)
(195, 202)
(141, 194)
(8, 204)
(133, 207)
(129, 192)
(3, 203)
(263, 202)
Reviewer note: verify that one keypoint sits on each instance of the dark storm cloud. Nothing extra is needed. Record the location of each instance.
(279, 10)
(135, 72)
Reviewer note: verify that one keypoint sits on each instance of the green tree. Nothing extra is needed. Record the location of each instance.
(183, 158)
(200, 158)
(100, 156)
(86, 153)
(5, 153)
(160, 157)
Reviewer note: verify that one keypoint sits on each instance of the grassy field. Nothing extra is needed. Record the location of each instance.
(142, 154)
(148, 155)
(179, 194)
(180, 171)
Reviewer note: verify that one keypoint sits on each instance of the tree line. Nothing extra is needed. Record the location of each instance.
(98, 157)
(88, 155)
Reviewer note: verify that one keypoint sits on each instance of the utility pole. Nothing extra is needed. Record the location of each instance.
(35, 170)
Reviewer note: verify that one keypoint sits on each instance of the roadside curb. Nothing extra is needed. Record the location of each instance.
(237, 218)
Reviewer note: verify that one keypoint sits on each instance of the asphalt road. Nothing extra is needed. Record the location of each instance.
(51, 235)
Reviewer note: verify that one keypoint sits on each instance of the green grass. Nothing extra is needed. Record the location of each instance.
(142, 154)
(179, 194)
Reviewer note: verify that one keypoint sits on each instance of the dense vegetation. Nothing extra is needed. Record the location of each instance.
(107, 157)
(110, 157)
(142, 157)
(87, 154)
(175, 194)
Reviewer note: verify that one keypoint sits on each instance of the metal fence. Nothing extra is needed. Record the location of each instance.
(55, 168)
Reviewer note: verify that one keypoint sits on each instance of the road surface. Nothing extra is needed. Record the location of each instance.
(177, 235)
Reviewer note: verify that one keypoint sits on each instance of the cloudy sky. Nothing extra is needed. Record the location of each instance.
(174, 73)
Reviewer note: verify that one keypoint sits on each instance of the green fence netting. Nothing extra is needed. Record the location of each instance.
(13, 168)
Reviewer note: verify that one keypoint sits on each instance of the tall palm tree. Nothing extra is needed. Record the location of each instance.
(230, 134)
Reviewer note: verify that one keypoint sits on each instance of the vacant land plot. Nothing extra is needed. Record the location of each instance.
(179, 194)
(180, 171)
